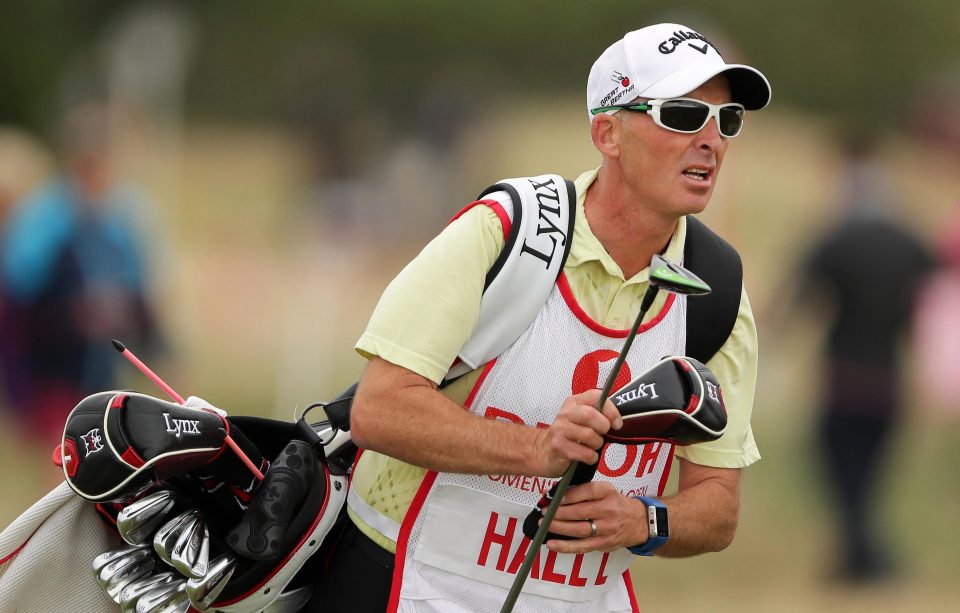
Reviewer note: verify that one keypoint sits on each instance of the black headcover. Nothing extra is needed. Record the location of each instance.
(116, 443)
(677, 401)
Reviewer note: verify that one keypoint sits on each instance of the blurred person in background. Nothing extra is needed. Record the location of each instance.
(937, 324)
(660, 163)
(72, 277)
(869, 269)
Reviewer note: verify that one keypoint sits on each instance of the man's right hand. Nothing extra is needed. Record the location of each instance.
(576, 434)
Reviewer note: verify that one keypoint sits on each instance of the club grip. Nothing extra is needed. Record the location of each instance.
(581, 474)
(261, 530)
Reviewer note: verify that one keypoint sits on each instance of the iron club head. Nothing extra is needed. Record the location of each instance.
(169, 533)
(135, 589)
(138, 569)
(120, 571)
(109, 556)
(160, 598)
(204, 591)
(138, 520)
(187, 548)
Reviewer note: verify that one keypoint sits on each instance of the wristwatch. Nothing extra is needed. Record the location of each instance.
(657, 523)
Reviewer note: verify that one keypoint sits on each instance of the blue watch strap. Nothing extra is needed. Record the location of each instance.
(656, 524)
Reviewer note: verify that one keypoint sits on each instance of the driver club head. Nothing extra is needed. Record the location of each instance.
(204, 591)
(169, 533)
(135, 589)
(137, 521)
(675, 278)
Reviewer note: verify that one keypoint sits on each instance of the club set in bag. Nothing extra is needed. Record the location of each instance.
(666, 276)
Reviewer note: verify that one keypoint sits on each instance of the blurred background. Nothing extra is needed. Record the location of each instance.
(228, 186)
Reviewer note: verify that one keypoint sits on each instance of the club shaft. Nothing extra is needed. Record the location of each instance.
(564, 483)
(243, 457)
(152, 375)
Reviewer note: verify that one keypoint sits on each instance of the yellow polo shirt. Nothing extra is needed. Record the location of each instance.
(429, 310)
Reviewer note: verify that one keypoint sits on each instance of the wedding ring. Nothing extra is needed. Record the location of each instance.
(593, 527)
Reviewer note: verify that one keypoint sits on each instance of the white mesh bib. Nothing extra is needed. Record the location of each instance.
(461, 542)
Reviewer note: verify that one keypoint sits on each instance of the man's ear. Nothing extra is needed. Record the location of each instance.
(605, 132)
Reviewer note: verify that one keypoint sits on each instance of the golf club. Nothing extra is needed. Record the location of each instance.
(109, 556)
(139, 568)
(187, 549)
(167, 536)
(138, 520)
(161, 597)
(135, 589)
(204, 591)
(120, 571)
(664, 275)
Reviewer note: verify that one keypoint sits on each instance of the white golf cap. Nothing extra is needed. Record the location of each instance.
(668, 60)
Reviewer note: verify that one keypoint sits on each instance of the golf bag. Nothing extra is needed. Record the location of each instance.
(252, 542)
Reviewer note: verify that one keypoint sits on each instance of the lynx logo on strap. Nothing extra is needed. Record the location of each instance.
(644, 390)
(92, 441)
(181, 426)
(548, 205)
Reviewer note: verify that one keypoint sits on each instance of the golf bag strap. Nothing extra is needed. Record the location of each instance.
(710, 318)
(542, 212)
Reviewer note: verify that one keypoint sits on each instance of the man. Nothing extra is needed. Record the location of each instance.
(439, 493)
(869, 270)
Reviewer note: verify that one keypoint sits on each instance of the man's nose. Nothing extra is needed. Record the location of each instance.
(709, 137)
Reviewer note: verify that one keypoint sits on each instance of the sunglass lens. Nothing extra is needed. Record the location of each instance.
(731, 120)
(683, 115)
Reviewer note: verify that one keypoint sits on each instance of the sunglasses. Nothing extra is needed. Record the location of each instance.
(686, 115)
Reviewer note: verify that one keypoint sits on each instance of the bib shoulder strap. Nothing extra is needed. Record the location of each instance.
(543, 211)
(711, 318)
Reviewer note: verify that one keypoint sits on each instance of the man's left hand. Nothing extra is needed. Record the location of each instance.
(620, 521)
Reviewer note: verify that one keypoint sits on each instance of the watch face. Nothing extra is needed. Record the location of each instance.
(663, 529)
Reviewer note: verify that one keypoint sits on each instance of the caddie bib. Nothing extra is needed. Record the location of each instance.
(461, 543)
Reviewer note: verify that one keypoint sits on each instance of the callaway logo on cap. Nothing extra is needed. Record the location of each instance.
(668, 60)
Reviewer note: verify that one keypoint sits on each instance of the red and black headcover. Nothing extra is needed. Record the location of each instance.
(115, 443)
(678, 400)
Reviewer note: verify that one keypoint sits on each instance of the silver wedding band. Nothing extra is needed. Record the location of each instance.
(593, 527)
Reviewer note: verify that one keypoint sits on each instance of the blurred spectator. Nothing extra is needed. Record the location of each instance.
(71, 277)
(937, 338)
(869, 269)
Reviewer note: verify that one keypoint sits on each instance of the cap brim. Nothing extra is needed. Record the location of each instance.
(748, 86)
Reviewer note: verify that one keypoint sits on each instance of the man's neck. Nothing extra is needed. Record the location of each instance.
(629, 230)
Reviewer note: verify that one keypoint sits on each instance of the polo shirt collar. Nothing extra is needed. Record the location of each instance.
(586, 246)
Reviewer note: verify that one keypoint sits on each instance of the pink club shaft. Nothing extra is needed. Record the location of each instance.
(170, 392)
